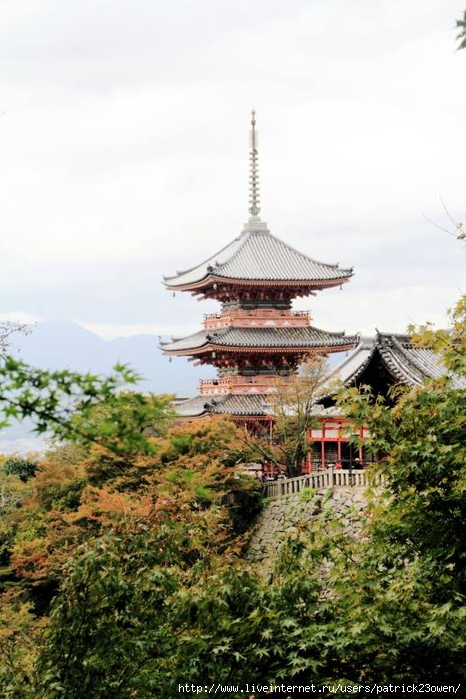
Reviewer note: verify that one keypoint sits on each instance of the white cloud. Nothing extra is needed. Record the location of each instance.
(124, 152)
(20, 317)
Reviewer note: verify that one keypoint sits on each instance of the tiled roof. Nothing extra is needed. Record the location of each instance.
(406, 363)
(352, 366)
(224, 405)
(194, 341)
(241, 405)
(302, 338)
(192, 407)
(412, 365)
(258, 255)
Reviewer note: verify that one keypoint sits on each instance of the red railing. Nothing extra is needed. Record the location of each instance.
(237, 384)
(266, 317)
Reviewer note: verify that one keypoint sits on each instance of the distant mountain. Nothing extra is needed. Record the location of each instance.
(61, 344)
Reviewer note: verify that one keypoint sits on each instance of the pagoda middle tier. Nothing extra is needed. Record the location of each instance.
(265, 349)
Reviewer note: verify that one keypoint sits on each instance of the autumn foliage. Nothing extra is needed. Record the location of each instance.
(122, 556)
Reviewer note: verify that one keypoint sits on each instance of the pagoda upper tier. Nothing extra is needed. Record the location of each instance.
(252, 264)
(256, 336)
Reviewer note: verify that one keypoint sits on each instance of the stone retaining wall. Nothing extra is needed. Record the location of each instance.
(281, 515)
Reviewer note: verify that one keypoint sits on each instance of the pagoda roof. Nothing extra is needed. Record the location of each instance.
(241, 405)
(261, 339)
(257, 255)
(405, 362)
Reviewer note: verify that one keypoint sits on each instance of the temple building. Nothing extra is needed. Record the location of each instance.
(379, 363)
(256, 336)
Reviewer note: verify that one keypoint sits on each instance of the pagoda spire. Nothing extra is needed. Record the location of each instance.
(254, 223)
(254, 194)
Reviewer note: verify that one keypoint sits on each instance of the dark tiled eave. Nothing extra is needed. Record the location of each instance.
(261, 340)
(412, 365)
(234, 405)
(404, 362)
(209, 281)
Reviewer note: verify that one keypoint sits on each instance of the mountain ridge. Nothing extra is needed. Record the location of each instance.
(63, 344)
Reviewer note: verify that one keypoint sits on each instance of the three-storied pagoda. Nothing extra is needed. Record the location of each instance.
(256, 336)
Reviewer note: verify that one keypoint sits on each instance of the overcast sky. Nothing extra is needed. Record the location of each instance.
(124, 153)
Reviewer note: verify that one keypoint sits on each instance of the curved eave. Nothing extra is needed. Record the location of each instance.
(238, 406)
(195, 407)
(358, 361)
(257, 349)
(258, 256)
(412, 365)
(397, 360)
(211, 279)
(230, 405)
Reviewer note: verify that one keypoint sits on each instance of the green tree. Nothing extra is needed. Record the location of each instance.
(23, 468)
(64, 404)
(461, 25)
(292, 411)
(133, 531)
(410, 576)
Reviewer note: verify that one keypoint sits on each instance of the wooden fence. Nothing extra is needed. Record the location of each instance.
(321, 480)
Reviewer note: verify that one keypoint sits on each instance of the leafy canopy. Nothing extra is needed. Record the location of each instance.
(81, 407)
(461, 25)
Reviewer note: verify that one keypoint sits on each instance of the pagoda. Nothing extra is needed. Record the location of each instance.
(255, 336)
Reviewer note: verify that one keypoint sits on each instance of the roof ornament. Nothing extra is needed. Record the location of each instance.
(254, 222)
(254, 195)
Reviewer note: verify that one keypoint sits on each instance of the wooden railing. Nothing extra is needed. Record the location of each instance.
(320, 480)
(239, 384)
(264, 317)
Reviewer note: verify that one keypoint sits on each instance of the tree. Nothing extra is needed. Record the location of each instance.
(64, 404)
(7, 329)
(461, 24)
(410, 573)
(293, 411)
(126, 536)
(23, 468)
(132, 553)
(451, 343)
(175, 618)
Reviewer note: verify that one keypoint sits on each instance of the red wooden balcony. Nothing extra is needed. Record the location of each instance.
(259, 318)
(238, 385)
